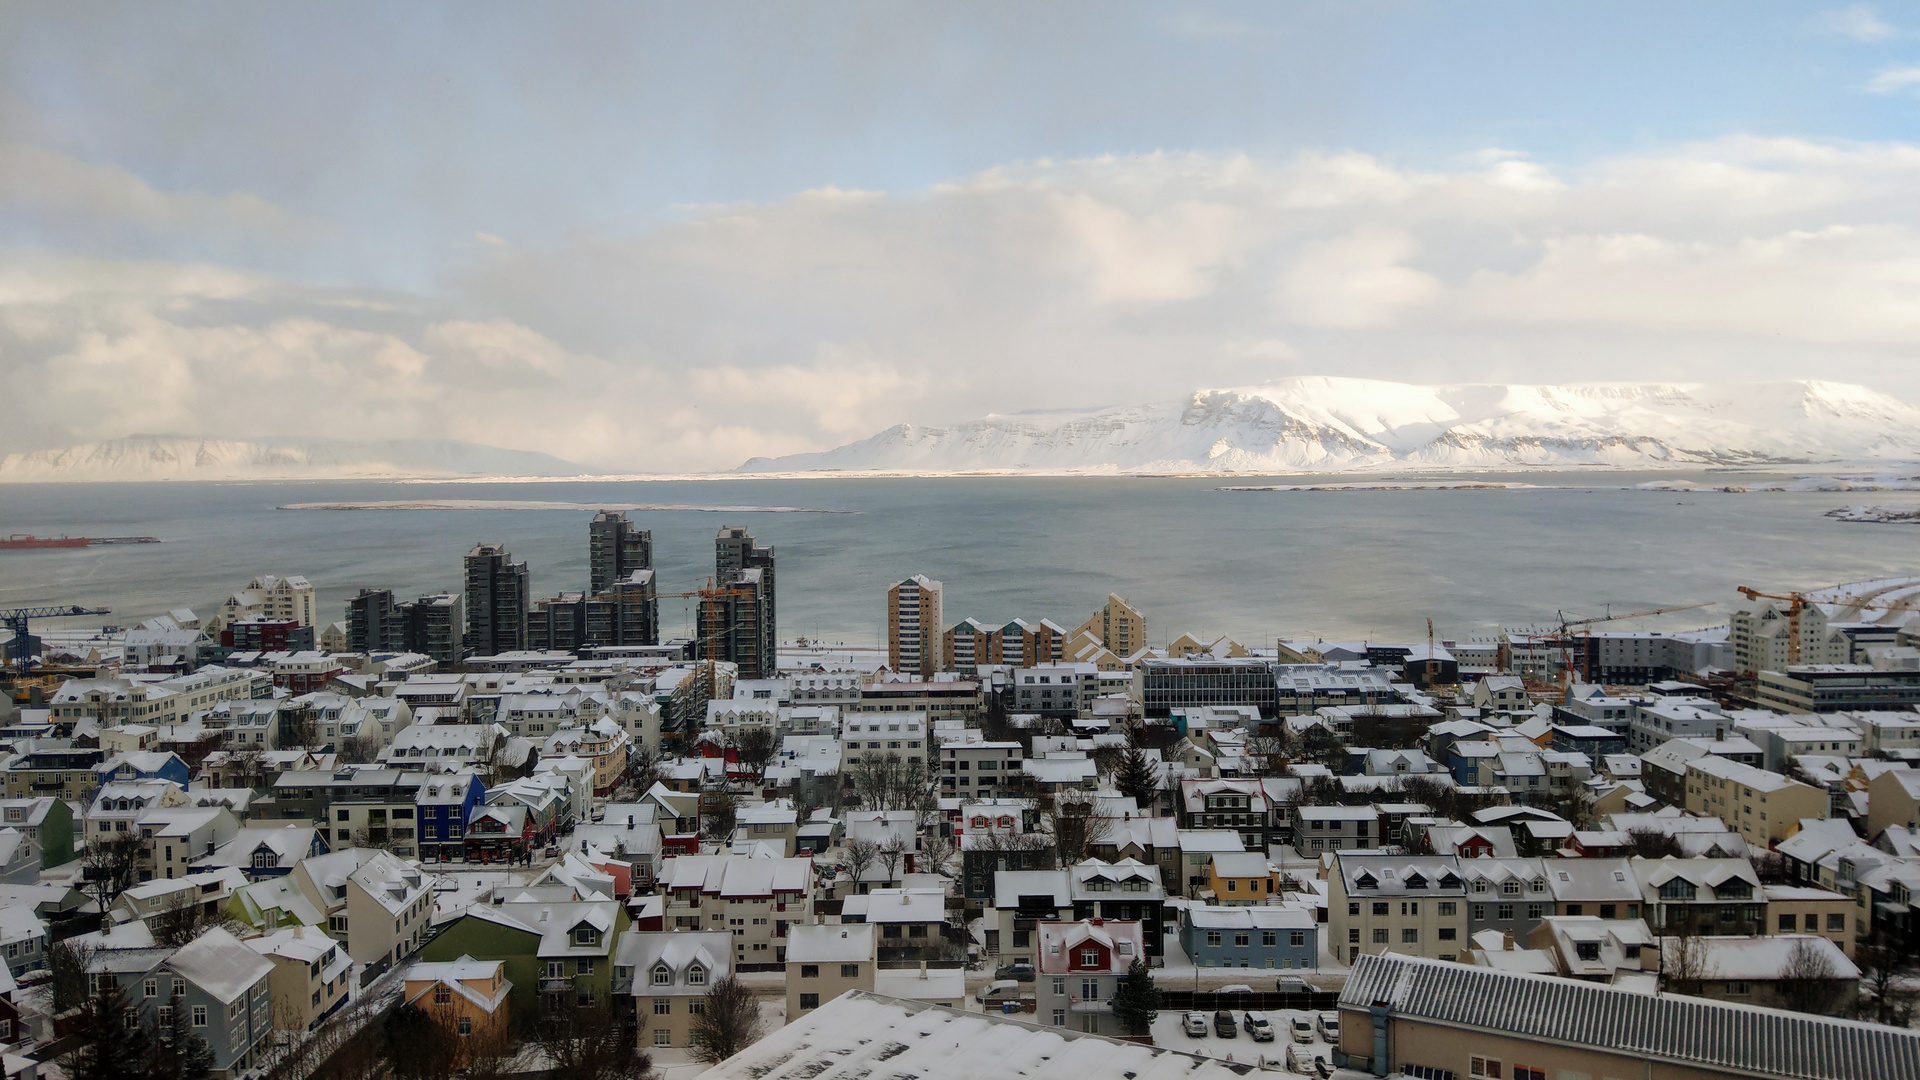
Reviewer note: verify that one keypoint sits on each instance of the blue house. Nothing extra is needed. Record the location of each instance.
(447, 801)
(144, 765)
(1265, 936)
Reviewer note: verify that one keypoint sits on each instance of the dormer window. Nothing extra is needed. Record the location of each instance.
(1677, 889)
(662, 975)
(1366, 881)
(1509, 888)
(1415, 881)
(696, 976)
(583, 935)
(1089, 957)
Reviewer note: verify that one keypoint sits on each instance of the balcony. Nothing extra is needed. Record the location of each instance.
(556, 984)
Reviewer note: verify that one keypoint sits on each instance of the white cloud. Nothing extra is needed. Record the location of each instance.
(1208, 26)
(1858, 22)
(1895, 79)
(799, 323)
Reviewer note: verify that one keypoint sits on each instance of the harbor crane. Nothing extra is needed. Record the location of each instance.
(16, 620)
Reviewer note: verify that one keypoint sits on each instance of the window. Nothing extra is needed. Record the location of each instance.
(662, 976)
(1409, 936)
(150, 988)
(1788, 923)
(809, 971)
(663, 1037)
(1297, 938)
(663, 1006)
(1353, 936)
(697, 1007)
(1836, 924)
(1060, 987)
(1448, 907)
(1353, 909)
(1504, 912)
(583, 936)
(1528, 1072)
(1448, 933)
(1509, 888)
(466, 1026)
(1269, 938)
(1380, 909)
(199, 1016)
(809, 1001)
(1481, 1068)
(1091, 957)
(1738, 988)
(1213, 938)
(1380, 936)
(442, 995)
(584, 966)
(1059, 1018)
(849, 971)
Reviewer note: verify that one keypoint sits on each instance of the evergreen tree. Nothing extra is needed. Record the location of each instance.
(1136, 777)
(179, 1054)
(1136, 1000)
(112, 1044)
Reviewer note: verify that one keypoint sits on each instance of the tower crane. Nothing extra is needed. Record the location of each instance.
(1797, 602)
(1567, 637)
(16, 619)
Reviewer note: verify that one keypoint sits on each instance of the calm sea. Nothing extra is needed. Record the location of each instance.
(1348, 564)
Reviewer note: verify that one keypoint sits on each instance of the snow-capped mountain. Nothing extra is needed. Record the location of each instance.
(175, 457)
(1327, 424)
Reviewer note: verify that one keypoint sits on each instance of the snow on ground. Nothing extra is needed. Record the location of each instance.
(1240, 1048)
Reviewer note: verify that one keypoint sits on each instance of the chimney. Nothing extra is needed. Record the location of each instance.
(1506, 941)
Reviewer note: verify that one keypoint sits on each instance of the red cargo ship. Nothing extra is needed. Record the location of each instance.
(22, 540)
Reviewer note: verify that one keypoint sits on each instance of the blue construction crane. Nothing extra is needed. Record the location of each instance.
(15, 619)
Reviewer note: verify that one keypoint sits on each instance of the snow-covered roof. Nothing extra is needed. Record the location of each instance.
(219, 964)
(846, 943)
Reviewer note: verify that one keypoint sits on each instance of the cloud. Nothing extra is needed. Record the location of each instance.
(1857, 22)
(797, 323)
(47, 183)
(1893, 80)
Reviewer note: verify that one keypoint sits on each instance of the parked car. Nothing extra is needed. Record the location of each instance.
(999, 991)
(1300, 1059)
(1194, 1024)
(1328, 1024)
(1257, 1026)
(1236, 988)
(1223, 1024)
(1300, 1028)
(1019, 970)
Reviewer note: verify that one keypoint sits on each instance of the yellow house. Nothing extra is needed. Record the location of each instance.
(1763, 807)
(1242, 877)
(468, 995)
(1796, 909)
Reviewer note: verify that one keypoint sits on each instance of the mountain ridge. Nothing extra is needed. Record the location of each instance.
(1315, 424)
(187, 457)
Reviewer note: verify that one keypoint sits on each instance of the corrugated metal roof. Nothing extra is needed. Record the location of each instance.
(1759, 1042)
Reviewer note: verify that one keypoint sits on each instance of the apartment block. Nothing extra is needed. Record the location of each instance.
(1411, 905)
(1763, 807)
(913, 626)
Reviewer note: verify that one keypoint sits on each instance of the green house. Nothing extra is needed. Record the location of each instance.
(550, 947)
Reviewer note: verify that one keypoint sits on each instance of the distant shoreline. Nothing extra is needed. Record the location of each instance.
(532, 504)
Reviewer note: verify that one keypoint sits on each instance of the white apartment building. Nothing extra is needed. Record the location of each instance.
(826, 688)
(972, 766)
(1763, 639)
(904, 735)
(281, 598)
(1055, 688)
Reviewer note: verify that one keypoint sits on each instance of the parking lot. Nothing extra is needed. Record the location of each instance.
(1241, 1047)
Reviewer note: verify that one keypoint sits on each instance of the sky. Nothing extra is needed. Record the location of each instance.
(671, 237)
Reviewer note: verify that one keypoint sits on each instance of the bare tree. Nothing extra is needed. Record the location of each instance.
(720, 812)
(937, 845)
(112, 866)
(729, 1023)
(1653, 844)
(890, 782)
(591, 1043)
(1888, 998)
(1809, 983)
(186, 918)
(67, 965)
(891, 854)
(859, 856)
(1684, 965)
(248, 767)
(1074, 827)
(1271, 754)
(359, 748)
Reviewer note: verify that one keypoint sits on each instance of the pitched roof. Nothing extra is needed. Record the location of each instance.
(219, 964)
(1678, 1030)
